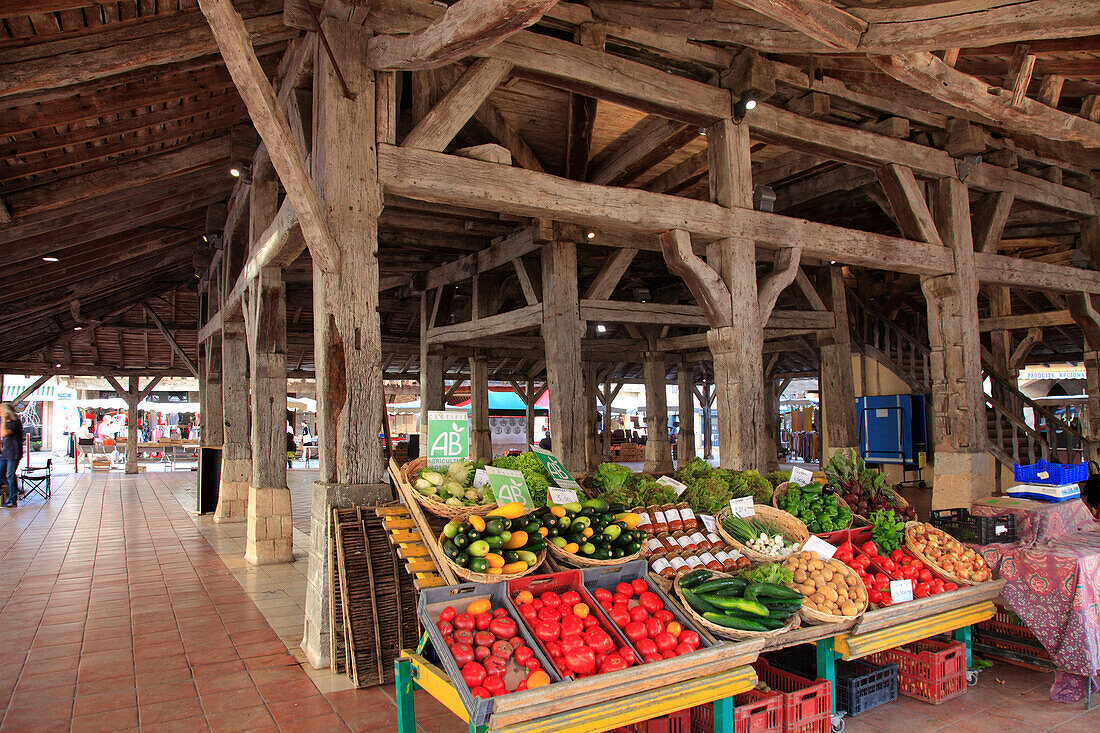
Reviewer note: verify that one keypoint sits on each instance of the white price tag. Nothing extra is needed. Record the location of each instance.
(901, 590)
(1043, 475)
(480, 478)
(823, 549)
(673, 483)
(742, 507)
(801, 476)
(708, 522)
(562, 496)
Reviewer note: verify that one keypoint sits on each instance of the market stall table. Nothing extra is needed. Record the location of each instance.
(1054, 588)
(1038, 521)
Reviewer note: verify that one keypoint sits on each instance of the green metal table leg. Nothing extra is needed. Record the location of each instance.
(406, 714)
(963, 635)
(826, 664)
(723, 715)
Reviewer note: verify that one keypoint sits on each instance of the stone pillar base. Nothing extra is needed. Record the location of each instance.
(960, 478)
(233, 490)
(269, 537)
(315, 638)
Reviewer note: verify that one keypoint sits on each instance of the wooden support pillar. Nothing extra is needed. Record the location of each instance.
(530, 412)
(608, 398)
(708, 428)
(133, 396)
(562, 330)
(963, 469)
(431, 368)
(771, 416)
(269, 532)
(658, 452)
(685, 436)
(481, 437)
(592, 414)
(1085, 314)
(347, 329)
(236, 451)
(837, 384)
(213, 429)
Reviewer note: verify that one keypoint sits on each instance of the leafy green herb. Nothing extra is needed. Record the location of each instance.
(769, 572)
(886, 531)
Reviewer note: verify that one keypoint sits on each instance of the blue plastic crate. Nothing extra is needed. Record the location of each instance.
(1057, 474)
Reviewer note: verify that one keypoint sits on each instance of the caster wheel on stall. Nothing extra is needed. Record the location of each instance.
(838, 723)
(971, 677)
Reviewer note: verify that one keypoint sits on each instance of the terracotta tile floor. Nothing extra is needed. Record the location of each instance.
(124, 611)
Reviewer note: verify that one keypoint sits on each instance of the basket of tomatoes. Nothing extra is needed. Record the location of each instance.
(877, 569)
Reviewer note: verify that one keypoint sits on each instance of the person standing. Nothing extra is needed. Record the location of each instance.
(11, 432)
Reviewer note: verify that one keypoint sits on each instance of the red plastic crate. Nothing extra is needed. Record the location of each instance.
(928, 670)
(754, 711)
(678, 722)
(807, 704)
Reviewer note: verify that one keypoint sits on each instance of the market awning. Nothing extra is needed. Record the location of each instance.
(508, 404)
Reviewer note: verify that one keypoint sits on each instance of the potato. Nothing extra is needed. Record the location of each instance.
(848, 609)
(800, 576)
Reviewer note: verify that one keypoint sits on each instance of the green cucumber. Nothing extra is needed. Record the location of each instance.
(715, 584)
(697, 603)
(695, 577)
(478, 565)
(731, 622)
(773, 590)
(741, 605)
(528, 557)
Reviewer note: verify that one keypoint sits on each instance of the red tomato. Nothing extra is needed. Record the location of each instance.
(886, 601)
(651, 602)
(654, 657)
(924, 575)
(669, 654)
(532, 664)
(689, 637)
(464, 637)
(635, 630)
(897, 555)
(624, 589)
(447, 614)
(553, 648)
(499, 612)
(683, 649)
(921, 591)
(950, 586)
(653, 626)
(863, 561)
(874, 597)
(665, 642)
(547, 630)
(571, 642)
(503, 627)
(581, 660)
(646, 647)
(665, 616)
(590, 621)
(571, 625)
(463, 621)
(549, 598)
(444, 627)
(887, 564)
(548, 613)
(528, 612)
(482, 621)
(606, 603)
(628, 655)
(524, 653)
(613, 663)
(936, 587)
(601, 593)
(638, 613)
(869, 548)
(537, 604)
(481, 653)
(599, 640)
(570, 598)
(619, 616)
(917, 564)
(480, 692)
(495, 685)
(484, 638)
(463, 654)
(473, 674)
(621, 598)
(639, 585)
(494, 665)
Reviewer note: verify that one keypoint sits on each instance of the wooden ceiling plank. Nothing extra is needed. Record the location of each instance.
(817, 19)
(649, 142)
(440, 125)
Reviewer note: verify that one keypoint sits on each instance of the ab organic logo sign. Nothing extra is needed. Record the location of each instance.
(448, 437)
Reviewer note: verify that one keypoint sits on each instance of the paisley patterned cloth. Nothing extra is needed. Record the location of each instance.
(1054, 587)
(1039, 521)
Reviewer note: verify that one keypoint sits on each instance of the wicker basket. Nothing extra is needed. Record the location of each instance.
(932, 564)
(723, 631)
(580, 561)
(899, 502)
(791, 526)
(473, 577)
(437, 508)
(782, 489)
(813, 616)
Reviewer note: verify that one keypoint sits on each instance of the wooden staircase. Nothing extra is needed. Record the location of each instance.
(1011, 439)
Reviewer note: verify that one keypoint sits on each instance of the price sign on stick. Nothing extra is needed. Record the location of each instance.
(742, 506)
(559, 495)
(823, 549)
(554, 467)
(673, 484)
(801, 476)
(901, 590)
(508, 486)
(448, 437)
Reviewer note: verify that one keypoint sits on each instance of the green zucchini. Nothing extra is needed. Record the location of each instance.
(741, 605)
(695, 577)
(773, 623)
(773, 590)
(731, 622)
(716, 583)
(780, 614)
(697, 603)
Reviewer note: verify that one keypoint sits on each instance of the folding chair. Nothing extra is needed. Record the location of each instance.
(36, 480)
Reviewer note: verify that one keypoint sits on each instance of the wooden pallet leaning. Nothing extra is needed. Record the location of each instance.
(337, 662)
(408, 542)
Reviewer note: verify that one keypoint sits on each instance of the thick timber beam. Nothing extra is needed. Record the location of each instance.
(685, 391)
(562, 331)
(271, 123)
(817, 19)
(236, 452)
(347, 330)
(458, 105)
(658, 451)
(838, 391)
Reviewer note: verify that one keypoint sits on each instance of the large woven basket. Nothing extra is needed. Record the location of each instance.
(789, 525)
(438, 508)
(580, 561)
(813, 616)
(782, 489)
(932, 564)
(722, 631)
(473, 577)
(899, 502)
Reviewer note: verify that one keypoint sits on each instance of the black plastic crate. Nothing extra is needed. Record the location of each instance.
(800, 660)
(970, 528)
(861, 686)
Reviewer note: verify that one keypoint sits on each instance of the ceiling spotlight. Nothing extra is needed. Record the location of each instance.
(642, 295)
(744, 103)
(241, 169)
(78, 328)
(832, 262)
(591, 235)
(56, 366)
(600, 328)
(235, 172)
(50, 258)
